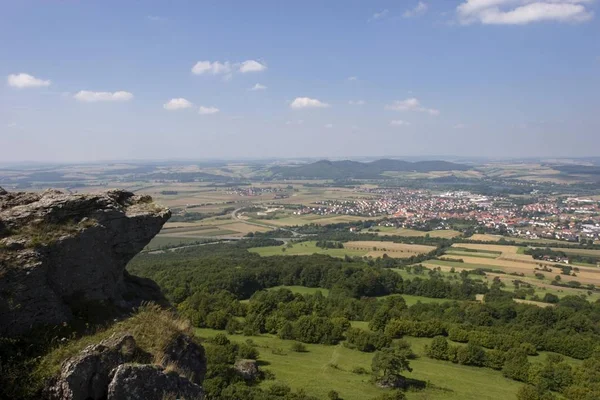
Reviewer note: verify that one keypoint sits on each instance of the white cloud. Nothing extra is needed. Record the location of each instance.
(93, 97)
(214, 68)
(357, 102)
(306, 102)
(379, 15)
(353, 78)
(399, 122)
(12, 125)
(328, 126)
(411, 104)
(177, 104)
(23, 80)
(257, 87)
(252, 66)
(207, 110)
(298, 122)
(520, 12)
(419, 9)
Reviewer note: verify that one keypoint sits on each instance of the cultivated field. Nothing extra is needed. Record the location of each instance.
(396, 250)
(358, 248)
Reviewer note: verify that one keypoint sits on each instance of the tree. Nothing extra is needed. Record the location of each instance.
(516, 365)
(388, 364)
(528, 392)
(438, 349)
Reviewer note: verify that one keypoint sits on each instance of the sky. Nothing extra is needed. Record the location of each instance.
(116, 80)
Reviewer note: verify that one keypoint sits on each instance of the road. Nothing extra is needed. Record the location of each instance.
(234, 216)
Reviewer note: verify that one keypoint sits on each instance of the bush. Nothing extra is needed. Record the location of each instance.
(247, 351)
(359, 371)
(298, 347)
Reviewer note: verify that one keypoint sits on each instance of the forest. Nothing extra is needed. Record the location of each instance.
(224, 287)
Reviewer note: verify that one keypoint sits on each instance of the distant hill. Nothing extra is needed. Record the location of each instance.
(346, 169)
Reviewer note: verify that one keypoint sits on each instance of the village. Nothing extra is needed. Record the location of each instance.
(570, 219)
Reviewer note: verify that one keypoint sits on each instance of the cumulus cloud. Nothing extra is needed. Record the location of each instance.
(306, 102)
(257, 87)
(419, 9)
(207, 110)
(379, 15)
(23, 80)
(399, 122)
(357, 102)
(177, 104)
(214, 68)
(251, 66)
(411, 104)
(520, 12)
(87, 96)
(226, 68)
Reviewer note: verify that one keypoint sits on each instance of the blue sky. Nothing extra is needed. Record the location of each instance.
(106, 80)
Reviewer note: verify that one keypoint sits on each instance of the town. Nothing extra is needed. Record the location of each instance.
(569, 219)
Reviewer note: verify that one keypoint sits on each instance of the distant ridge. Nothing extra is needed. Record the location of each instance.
(347, 169)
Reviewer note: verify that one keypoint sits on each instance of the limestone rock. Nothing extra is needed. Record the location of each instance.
(187, 356)
(59, 251)
(248, 369)
(87, 375)
(150, 382)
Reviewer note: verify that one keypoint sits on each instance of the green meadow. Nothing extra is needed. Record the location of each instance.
(304, 248)
(323, 368)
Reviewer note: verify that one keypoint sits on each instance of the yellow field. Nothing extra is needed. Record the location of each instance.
(378, 249)
(244, 228)
(485, 237)
(489, 247)
(587, 252)
(510, 261)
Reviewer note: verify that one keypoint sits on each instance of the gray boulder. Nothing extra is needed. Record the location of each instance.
(187, 356)
(151, 382)
(248, 369)
(87, 375)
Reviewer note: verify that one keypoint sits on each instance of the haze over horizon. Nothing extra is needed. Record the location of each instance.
(267, 79)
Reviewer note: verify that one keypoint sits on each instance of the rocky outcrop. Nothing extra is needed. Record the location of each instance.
(186, 356)
(59, 252)
(87, 375)
(112, 370)
(248, 369)
(151, 382)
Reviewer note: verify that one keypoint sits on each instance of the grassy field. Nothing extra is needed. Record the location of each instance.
(410, 300)
(302, 289)
(304, 248)
(396, 250)
(361, 249)
(324, 368)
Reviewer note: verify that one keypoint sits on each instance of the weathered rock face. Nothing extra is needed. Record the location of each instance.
(151, 382)
(111, 370)
(187, 356)
(248, 369)
(59, 251)
(87, 375)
